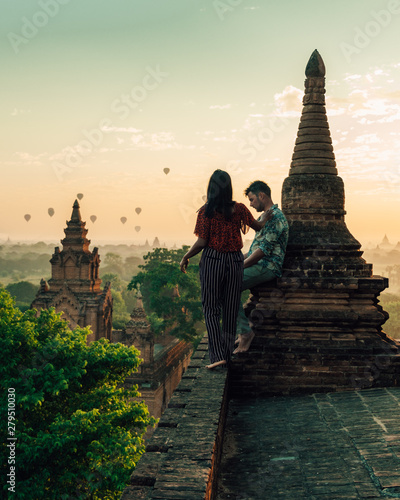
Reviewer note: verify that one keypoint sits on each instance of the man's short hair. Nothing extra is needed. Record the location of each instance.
(258, 187)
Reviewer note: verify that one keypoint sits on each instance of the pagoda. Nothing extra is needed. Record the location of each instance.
(319, 326)
(74, 287)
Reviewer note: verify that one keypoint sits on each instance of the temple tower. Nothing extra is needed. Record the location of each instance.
(165, 359)
(74, 287)
(319, 326)
(313, 194)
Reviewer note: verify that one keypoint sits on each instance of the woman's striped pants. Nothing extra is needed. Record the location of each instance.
(221, 276)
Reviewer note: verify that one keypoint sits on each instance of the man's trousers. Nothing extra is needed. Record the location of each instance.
(253, 275)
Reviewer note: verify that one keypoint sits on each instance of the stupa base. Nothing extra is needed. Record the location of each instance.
(318, 336)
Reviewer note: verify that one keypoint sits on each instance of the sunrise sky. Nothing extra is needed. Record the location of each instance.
(99, 97)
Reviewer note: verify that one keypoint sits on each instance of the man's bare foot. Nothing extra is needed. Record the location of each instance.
(238, 340)
(245, 342)
(217, 363)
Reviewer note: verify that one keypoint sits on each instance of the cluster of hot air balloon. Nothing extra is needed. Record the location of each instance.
(93, 218)
(50, 211)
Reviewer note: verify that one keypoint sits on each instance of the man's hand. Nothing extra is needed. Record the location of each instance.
(253, 258)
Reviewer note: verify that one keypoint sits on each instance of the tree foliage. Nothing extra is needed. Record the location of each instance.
(124, 300)
(391, 304)
(79, 435)
(172, 297)
(24, 293)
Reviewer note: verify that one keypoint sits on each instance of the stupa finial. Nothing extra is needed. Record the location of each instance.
(315, 65)
(76, 214)
(313, 152)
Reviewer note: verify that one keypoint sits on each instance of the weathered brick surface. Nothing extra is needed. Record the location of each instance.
(318, 330)
(182, 456)
(323, 446)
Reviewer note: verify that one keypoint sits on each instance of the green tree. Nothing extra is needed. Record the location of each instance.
(391, 304)
(124, 300)
(24, 293)
(113, 263)
(132, 264)
(79, 435)
(115, 280)
(172, 297)
(120, 314)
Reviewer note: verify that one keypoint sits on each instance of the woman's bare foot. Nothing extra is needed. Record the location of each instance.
(217, 363)
(244, 342)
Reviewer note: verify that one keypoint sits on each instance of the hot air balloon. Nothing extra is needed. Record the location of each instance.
(138, 210)
(166, 170)
(137, 228)
(93, 218)
(51, 212)
(79, 196)
(27, 217)
(123, 220)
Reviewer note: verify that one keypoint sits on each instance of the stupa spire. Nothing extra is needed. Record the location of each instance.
(75, 232)
(315, 65)
(313, 152)
(313, 193)
(76, 214)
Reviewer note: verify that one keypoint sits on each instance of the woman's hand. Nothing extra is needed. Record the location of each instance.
(266, 216)
(196, 248)
(184, 263)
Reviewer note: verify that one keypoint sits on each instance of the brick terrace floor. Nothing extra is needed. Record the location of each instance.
(326, 446)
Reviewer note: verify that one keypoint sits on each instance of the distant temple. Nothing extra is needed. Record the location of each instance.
(165, 359)
(385, 242)
(74, 287)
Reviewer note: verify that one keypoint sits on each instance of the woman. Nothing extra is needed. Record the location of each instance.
(218, 227)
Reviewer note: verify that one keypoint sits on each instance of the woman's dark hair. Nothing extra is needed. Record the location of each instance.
(219, 195)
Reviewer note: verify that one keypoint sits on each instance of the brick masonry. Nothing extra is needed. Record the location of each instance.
(182, 456)
(319, 326)
(318, 330)
(299, 350)
(319, 447)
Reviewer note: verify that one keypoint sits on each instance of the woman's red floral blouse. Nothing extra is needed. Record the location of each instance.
(223, 234)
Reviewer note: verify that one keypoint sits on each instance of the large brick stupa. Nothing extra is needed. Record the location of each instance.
(319, 326)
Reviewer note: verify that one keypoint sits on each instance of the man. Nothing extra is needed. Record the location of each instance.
(264, 260)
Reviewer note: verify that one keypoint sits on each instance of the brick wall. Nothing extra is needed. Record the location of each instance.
(182, 457)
